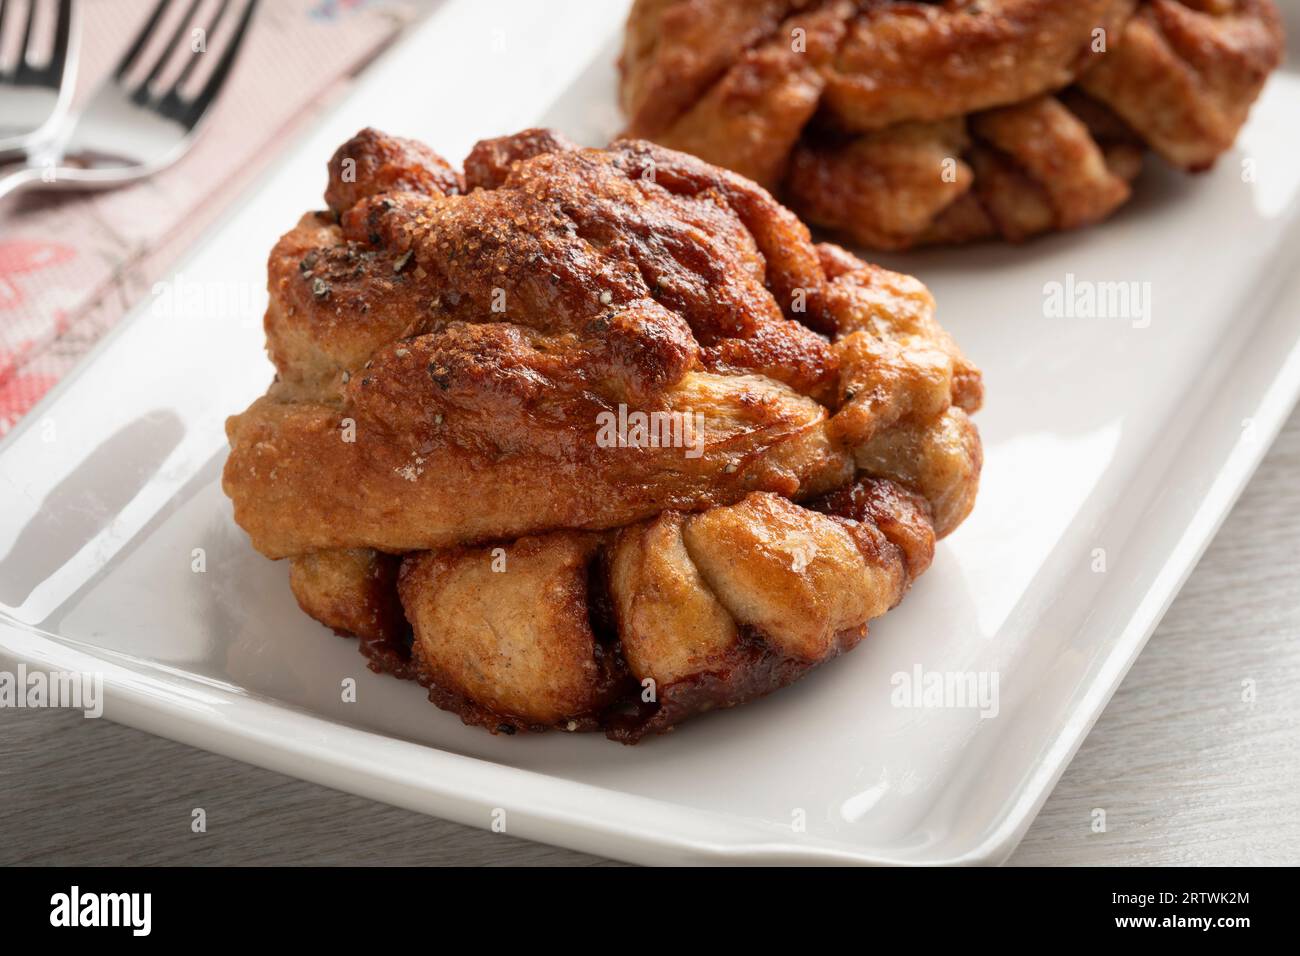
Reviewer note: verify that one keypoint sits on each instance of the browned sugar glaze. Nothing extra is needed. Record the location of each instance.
(430, 459)
(901, 124)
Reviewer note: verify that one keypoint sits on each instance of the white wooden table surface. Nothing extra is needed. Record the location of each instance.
(1186, 772)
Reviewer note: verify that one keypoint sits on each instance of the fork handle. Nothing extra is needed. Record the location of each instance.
(19, 180)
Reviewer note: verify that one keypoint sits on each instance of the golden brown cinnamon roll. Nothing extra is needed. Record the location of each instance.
(898, 124)
(593, 438)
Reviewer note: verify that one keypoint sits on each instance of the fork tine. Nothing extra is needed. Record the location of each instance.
(141, 40)
(168, 49)
(50, 73)
(62, 37)
(194, 57)
(217, 80)
(5, 10)
(25, 48)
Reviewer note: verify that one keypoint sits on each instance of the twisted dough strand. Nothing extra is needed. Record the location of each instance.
(665, 619)
(901, 124)
(475, 535)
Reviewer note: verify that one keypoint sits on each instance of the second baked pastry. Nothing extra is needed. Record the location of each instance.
(899, 124)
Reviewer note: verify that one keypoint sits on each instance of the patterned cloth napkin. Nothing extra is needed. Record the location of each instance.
(71, 266)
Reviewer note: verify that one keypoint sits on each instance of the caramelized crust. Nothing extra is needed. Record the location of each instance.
(352, 590)
(402, 392)
(372, 163)
(898, 124)
(719, 608)
(752, 117)
(1184, 74)
(299, 485)
(881, 189)
(1015, 172)
(791, 574)
(467, 385)
(507, 631)
(915, 61)
(706, 610)
(677, 49)
(671, 623)
(939, 459)
(490, 161)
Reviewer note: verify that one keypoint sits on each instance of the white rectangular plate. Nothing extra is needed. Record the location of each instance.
(1099, 435)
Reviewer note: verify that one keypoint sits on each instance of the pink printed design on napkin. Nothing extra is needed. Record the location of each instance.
(22, 256)
(20, 392)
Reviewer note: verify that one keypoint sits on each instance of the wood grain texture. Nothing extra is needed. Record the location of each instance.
(1186, 771)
